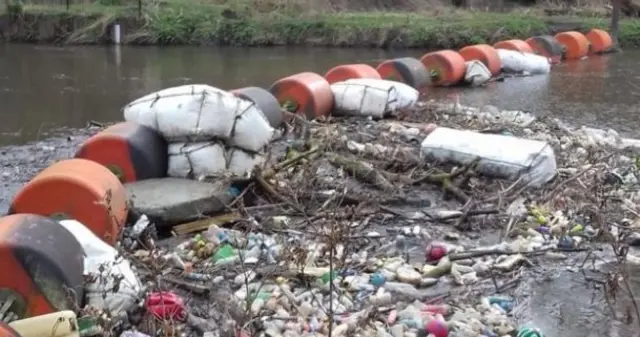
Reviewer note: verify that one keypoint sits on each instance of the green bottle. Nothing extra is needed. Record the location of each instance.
(529, 332)
(224, 252)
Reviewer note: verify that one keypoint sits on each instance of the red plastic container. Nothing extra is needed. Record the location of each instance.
(166, 305)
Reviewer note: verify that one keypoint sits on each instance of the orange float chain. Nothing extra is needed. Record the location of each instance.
(43, 265)
(600, 41)
(131, 151)
(445, 67)
(406, 70)
(517, 45)
(485, 54)
(77, 189)
(304, 93)
(576, 45)
(267, 103)
(547, 46)
(348, 71)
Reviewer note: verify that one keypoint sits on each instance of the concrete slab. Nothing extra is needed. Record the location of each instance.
(171, 201)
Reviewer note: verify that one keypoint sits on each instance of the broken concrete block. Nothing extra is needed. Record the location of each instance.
(172, 201)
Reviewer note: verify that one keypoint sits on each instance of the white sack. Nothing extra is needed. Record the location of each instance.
(407, 95)
(209, 159)
(100, 255)
(500, 156)
(375, 99)
(476, 73)
(199, 113)
(518, 62)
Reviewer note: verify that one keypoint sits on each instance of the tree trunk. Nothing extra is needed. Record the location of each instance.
(615, 22)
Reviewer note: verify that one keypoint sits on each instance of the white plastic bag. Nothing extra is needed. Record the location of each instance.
(500, 156)
(476, 73)
(407, 95)
(200, 113)
(375, 99)
(209, 159)
(100, 255)
(592, 137)
(518, 62)
(251, 130)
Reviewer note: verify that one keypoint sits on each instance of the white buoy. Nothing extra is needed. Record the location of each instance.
(116, 34)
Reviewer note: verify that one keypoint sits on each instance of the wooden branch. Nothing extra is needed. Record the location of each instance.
(362, 171)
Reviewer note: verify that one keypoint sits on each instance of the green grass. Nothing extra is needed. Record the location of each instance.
(267, 22)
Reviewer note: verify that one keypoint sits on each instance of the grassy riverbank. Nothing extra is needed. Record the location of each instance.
(247, 24)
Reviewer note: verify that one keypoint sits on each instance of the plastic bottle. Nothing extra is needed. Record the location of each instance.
(403, 289)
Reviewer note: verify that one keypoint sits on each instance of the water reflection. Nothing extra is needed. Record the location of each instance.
(43, 87)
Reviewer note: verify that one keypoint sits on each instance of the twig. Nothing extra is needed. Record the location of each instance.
(467, 214)
(480, 253)
(362, 171)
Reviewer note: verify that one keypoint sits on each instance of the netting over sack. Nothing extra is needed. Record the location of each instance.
(519, 62)
(193, 113)
(375, 99)
(407, 95)
(209, 159)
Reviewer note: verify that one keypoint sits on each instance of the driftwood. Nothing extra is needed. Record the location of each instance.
(362, 171)
(380, 179)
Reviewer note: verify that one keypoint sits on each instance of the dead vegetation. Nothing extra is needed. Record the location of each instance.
(350, 178)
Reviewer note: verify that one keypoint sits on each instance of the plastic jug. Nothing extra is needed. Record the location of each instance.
(57, 324)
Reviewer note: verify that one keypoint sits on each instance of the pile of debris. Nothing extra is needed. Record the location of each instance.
(360, 229)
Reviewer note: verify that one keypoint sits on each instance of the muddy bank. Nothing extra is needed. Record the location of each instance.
(64, 28)
(238, 28)
(21, 162)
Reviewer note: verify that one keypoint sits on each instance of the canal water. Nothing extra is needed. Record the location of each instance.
(44, 88)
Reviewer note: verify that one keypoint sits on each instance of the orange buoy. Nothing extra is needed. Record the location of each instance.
(517, 45)
(485, 54)
(43, 266)
(406, 70)
(445, 67)
(304, 93)
(129, 150)
(78, 189)
(267, 103)
(576, 45)
(349, 71)
(600, 40)
(547, 46)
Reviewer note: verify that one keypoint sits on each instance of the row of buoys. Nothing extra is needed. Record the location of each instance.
(89, 188)
(310, 93)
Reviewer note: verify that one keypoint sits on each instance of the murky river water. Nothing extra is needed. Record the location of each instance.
(43, 87)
